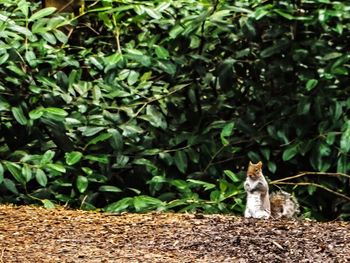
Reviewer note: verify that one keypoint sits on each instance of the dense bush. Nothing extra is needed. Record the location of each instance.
(160, 104)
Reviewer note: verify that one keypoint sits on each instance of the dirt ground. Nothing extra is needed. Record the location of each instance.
(30, 234)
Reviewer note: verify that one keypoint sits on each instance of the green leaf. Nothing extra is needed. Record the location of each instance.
(144, 202)
(290, 152)
(16, 70)
(1, 173)
(56, 111)
(10, 185)
(167, 66)
(130, 130)
(311, 84)
(82, 183)
(330, 139)
(215, 196)
(27, 172)
(303, 107)
(332, 55)
(345, 138)
(73, 157)
(226, 132)
(232, 176)
(253, 156)
(266, 153)
(62, 37)
(272, 167)
(91, 131)
(48, 204)
(161, 52)
(342, 164)
(152, 13)
(42, 13)
(119, 206)
(154, 117)
(116, 139)
(260, 13)
(57, 167)
(87, 170)
(41, 177)
(274, 49)
(49, 38)
(19, 115)
(16, 172)
(30, 58)
(136, 191)
(133, 77)
(180, 184)
(180, 159)
(20, 29)
(207, 186)
(3, 58)
(47, 157)
(284, 14)
(311, 189)
(175, 31)
(36, 113)
(97, 158)
(109, 188)
(101, 137)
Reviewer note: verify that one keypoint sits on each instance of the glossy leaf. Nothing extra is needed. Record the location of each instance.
(19, 115)
(11, 186)
(42, 13)
(57, 167)
(73, 157)
(290, 152)
(180, 159)
(109, 188)
(1, 173)
(48, 204)
(82, 183)
(233, 177)
(41, 177)
(16, 172)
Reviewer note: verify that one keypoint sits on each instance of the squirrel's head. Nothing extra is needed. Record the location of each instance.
(254, 170)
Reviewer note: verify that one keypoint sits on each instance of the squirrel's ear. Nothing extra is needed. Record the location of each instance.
(259, 163)
(250, 163)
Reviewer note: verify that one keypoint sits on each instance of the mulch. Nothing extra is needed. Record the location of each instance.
(33, 234)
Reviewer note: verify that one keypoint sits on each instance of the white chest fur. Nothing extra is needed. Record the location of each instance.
(258, 204)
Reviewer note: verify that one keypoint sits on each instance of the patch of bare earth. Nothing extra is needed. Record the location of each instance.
(30, 234)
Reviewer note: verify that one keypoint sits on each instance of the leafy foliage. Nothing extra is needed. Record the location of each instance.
(159, 104)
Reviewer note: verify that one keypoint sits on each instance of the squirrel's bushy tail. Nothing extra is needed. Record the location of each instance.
(283, 204)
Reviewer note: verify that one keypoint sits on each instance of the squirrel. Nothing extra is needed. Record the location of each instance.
(260, 204)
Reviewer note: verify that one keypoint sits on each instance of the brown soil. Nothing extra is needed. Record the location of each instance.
(29, 234)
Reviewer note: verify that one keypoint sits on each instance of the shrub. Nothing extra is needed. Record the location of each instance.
(159, 105)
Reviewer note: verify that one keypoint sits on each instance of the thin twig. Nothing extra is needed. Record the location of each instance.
(116, 31)
(310, 173)
(277, 245)
(316, 185)
(65, 6)
(178, 149)
(2, 255)
(82, 202)
(155, 99)
(116, 34)
(214, 156)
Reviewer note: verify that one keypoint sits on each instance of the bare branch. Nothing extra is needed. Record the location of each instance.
(316, 185)
(310, 173)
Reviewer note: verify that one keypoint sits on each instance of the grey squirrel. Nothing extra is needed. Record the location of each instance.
(260, 204)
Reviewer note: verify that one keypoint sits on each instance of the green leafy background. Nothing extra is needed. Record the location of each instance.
(159, 105)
